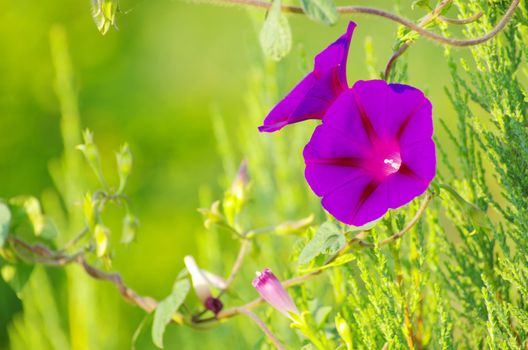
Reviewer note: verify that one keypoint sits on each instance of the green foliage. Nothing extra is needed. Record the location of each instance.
(458, 279)
(328, 240)
(104, 14)
(324, 11)
(5, 223)
(167, 308)
(275, 35)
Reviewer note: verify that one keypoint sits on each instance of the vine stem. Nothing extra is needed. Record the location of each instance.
(58, 258)
(356, 240)
(410, 225)
(262, 326)
(51, 257)
(423, 22)
(392, 17)
(244, 246)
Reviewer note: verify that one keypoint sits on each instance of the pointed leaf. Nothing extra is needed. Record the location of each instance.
(167, 308)
(327, 240)
(324, 11)
(275, 35)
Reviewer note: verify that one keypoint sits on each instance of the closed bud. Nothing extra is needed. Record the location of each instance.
(271, 290)
(101, 240)
(211, 215)
(124, 166)
(343, 329)
(104, 14)
(91, 153)
(235, 197)
(130, 225)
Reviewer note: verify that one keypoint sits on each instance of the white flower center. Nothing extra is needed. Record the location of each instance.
(394, 164)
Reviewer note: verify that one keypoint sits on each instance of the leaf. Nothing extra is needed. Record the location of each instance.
(321, 316)
(323, 11)
(275, 35)
(28, 220)
(5, 223)
(327, 240)
(424, 4)
(101, 240)
(341, 260)
(15, 275)
(104, 13)
(130, 226)
(167, 308)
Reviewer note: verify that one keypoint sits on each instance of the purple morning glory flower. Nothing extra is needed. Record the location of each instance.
(311, 98)
(271, 290)
(374, 151)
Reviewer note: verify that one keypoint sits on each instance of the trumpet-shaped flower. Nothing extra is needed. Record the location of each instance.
(311, 98)
(202, 280)
(271, 290)
(373, 151)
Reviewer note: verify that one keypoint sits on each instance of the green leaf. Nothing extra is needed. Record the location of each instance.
(321, 316)
(341, 260)
(5, 223)
(124, 166)
(167, 308)
(130, 226)
(424, 4)
(16, 274)
(101, 240)
(104, 14)
(327, 240)
(323, 11)
(275, 35)
(27, 217)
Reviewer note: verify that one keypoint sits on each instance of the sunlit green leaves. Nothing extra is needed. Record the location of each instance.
(324, 11)
(167, 308)
(343, 329)
(15, 274)
(101, 234)
(424, 4)
(328, 240)
(124, 166)
(5, 223)
(28, 219)
(104, 14)
(91, 153)
(275, 35)
(130, 226)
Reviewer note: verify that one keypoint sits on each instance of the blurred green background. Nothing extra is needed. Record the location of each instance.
(156, 83)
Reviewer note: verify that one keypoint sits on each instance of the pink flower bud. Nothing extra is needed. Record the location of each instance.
(271, 290)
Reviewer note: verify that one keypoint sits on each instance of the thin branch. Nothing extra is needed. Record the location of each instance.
(238, 262)
(262, 326)
(410, 225)
(53, 258)
(422, 23)
(146, 303)
(85, 230)
(461, 21)
(392, 17)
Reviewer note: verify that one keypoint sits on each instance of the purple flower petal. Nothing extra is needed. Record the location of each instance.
(374, 151)
(326, 160)
(315, 93)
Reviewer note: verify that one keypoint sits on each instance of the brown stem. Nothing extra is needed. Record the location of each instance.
(468, 20)
(53, 258)
(392, 17)
(414, 220)
(423, 22)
